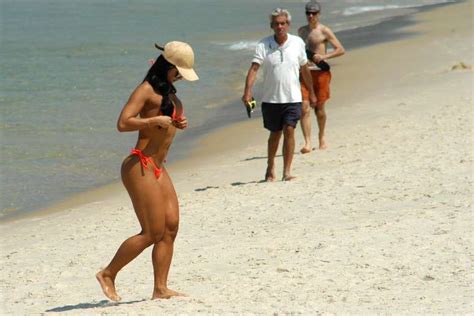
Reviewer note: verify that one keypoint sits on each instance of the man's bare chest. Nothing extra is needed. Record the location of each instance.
(316, 38)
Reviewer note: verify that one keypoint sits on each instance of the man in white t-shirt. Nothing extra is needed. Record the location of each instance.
(282, 57)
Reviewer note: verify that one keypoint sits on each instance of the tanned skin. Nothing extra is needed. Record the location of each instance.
(154, 200)
(317, 38)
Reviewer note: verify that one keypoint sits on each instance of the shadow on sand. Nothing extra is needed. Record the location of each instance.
(103, 303)
(239, 183)
(255, 158)
(206, 188)
(244, 183)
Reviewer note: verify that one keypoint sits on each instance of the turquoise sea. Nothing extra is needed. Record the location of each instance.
(67, 67)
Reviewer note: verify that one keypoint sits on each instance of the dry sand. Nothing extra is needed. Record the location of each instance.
(380, 223)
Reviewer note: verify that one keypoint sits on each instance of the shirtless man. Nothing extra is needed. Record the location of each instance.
(317, 37)
(155, 112)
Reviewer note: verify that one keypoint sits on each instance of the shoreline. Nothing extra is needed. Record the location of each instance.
(388, 30)
(378, 223)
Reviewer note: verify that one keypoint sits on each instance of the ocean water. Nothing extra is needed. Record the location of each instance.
(67, 68)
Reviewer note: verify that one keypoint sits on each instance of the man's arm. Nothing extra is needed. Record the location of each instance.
(249, 82)
(332, 39)
(308, 82)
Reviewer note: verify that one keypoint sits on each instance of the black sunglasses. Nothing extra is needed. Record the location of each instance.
(312, 13)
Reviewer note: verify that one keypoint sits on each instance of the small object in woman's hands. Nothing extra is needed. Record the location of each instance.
(177, 119)
(178, 122)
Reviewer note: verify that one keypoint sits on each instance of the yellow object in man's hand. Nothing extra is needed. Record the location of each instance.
(250, 106)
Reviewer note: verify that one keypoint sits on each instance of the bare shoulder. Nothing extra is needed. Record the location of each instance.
(303, 28)
(326, 30)
(144, 91)
(144, 88)
(303, 31)
(142, 94)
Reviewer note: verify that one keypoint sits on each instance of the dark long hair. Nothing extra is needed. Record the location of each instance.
(157, 77)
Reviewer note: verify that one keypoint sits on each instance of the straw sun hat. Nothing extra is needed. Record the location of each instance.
(181, 55)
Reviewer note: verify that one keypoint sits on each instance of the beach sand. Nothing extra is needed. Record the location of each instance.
(379, 223)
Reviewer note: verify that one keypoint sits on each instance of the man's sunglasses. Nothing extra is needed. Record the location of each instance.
(312, 13)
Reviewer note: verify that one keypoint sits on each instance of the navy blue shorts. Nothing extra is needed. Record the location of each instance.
(277, 115)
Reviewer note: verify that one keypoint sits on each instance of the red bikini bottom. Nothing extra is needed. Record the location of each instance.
(144, 160)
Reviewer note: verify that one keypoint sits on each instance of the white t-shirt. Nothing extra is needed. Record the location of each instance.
(281, 68)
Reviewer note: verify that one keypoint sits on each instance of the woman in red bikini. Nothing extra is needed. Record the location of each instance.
(155, 112)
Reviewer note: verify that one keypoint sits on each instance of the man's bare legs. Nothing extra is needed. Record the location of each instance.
(321, 117)
(306, 126)
(288, 151)
(273, 143)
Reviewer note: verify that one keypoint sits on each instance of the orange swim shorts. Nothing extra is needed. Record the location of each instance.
(321, 81)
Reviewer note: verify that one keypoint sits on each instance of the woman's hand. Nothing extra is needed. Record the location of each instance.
(181, 122)
(159, 121)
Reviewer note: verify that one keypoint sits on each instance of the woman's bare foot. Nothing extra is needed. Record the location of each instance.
(165, 294)
(108, 286)
(288, 178)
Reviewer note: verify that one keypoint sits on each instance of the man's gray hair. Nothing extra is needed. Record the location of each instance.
(280, 12)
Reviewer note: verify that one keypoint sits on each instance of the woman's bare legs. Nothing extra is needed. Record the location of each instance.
(152, 200)
(163, 249)
(128, 251)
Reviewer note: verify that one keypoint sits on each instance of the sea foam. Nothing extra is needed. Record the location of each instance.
(242, 45)
(354, 10)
